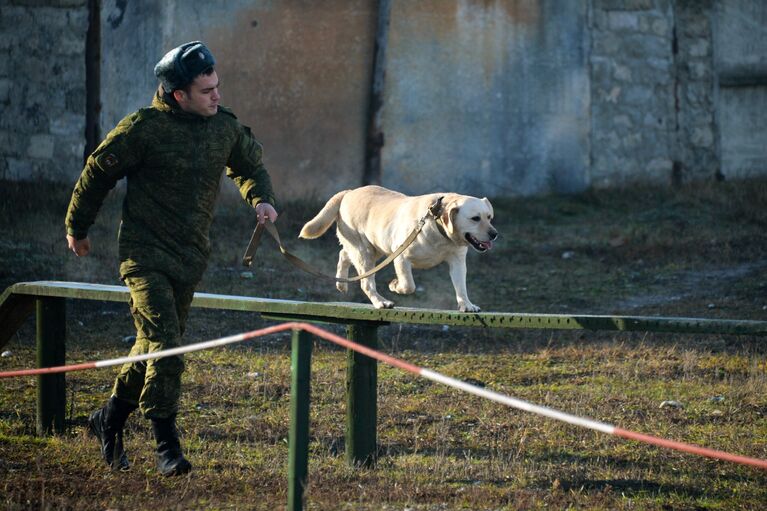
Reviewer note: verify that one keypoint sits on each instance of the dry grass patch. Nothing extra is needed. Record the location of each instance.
(697, 251)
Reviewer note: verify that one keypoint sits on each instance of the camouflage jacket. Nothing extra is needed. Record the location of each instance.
(173, 162)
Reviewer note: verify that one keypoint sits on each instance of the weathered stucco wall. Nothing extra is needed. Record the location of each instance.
(741, 60)
(131, 44)
(490, 98)
(297, 73)
(487, 97)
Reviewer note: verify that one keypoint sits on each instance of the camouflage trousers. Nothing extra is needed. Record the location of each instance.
(159, 307)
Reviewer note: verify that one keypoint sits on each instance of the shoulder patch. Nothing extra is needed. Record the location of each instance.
(110, 160)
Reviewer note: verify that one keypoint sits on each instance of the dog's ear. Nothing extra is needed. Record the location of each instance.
(448, 217)
(489, 206)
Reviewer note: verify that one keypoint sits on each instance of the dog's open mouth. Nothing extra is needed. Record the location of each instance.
(479, 246)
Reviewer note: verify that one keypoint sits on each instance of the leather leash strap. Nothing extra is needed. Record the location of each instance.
(434, 211)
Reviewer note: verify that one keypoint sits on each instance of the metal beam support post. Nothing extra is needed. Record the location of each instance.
(51, 351)
(361, 397)
(298, 455)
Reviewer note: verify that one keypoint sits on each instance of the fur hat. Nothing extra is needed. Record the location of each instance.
(180, 66)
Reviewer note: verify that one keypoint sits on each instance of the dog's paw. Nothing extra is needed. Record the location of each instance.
(342, 286)
(395, 287)
(468, 307)
(383, 304)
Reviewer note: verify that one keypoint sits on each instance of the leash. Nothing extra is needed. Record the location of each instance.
(434, 211)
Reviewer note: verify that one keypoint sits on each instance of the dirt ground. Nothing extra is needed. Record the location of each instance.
(697, 251)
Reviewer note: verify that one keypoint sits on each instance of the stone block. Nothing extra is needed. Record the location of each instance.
(5, 90)
(695, 26)
(660, 27)
(69, 70)
(638, 95)
(623, 5)
(41, 146)
(655, 120)
(50, 3)
(8, 40)
(699, 70)
(77, 20)
(67, 124)
(71, 149)
(71, 44)
(607, 44)
(623, 121)
(599, 19)
(662, 65)
(5, 62)
(698, 48)
(41, 99)
(75, 100)
(48, 23)
(622, 73)
(698, 94)
(610, 96)
(601, 71)
(702, 136)
(660, 166)
(32, 70)
(623, 20)
(12, 143)
(12, 18)
(19, 170)
(701, 117)
(646, 46)
(632, 141)
(607, 141)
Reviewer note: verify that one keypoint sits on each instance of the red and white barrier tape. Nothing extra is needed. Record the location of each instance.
(426, 373)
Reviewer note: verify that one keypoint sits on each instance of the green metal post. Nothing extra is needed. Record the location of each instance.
(51, 351)
(298, 455)
(361, 397)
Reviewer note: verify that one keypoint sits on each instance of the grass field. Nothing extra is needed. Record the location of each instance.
(699, 251)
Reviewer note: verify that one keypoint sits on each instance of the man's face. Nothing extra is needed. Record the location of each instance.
(202, 98)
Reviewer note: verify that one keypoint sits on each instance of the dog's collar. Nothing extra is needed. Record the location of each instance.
(440, 228)
(435, 210)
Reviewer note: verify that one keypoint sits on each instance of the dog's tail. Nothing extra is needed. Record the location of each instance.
(317, 226)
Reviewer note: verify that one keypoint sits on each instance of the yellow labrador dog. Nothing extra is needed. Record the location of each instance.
(373, 222)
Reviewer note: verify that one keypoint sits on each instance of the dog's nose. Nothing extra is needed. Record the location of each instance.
(493, 234)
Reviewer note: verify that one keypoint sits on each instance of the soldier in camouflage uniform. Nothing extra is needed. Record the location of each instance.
(172, 155)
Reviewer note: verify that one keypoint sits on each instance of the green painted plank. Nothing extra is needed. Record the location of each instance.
(340, 311)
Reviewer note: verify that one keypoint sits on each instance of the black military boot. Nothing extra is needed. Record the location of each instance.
(170, 459)
(107, 424)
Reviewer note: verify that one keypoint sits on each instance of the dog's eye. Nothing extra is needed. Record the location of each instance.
(476, 218)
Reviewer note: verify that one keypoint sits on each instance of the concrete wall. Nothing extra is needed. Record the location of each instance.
(487, 97)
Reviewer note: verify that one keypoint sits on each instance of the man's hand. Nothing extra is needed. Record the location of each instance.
(79, 247)
(264, 212)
